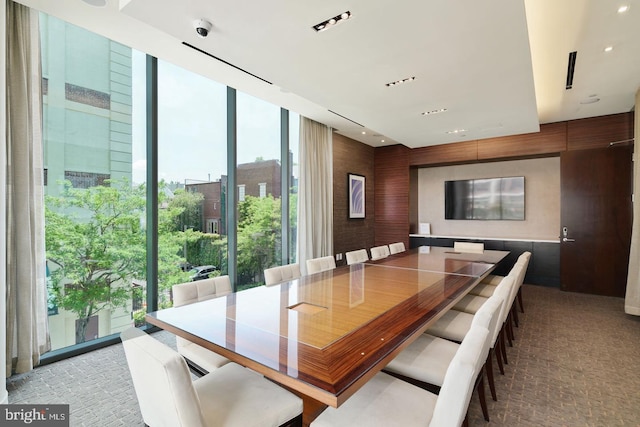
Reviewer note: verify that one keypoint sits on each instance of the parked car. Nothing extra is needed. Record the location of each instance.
(202, 272)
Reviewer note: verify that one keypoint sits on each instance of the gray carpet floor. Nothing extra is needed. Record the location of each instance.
(574, 363)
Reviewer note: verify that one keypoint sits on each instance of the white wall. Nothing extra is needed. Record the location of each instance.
(542, 199)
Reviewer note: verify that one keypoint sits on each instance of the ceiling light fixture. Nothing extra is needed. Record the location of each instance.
(624, 8)
(332, 21)
(397, 82)
(455, 131)
(608, 48)
(439, 110)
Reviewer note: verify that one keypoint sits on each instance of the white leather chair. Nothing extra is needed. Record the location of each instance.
(354, 257)
(199, 358)
(388, 401)
(425, 362)
(379, 252)
(282, 273)
(317, 265)
(396, 248)
(468, 247)
(230, 396)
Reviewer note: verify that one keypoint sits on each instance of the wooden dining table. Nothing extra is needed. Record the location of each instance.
(325, 335)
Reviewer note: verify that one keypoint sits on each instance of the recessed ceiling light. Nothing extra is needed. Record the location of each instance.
(624, 8)
(456, 131)
(608, 48)
(332, 21)
(397, 82)
(382, 140)
(364, 133)
(439, 110)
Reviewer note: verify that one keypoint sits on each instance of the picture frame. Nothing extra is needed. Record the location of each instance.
(357, 191)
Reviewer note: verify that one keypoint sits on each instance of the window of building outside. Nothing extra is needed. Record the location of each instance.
(89, 86)
(258, 148)
(241, 192)
(263, 189)
(192, 170)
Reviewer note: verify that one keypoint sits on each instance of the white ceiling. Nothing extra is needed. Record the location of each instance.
(498, 66)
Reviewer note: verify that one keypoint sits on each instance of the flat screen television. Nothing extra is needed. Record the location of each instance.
(485, 199)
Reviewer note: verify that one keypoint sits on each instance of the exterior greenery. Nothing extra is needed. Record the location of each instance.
(96, 244)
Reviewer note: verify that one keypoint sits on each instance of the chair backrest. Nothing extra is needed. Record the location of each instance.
(488, 315)
(468, 247)
(523, 260)
(317, 265)
(517, 273)
(201, 290)
(459, 380)
(360, 255)
(395, 248)
(503, 291)
(282, 273)
(379, 252)
(162, 382)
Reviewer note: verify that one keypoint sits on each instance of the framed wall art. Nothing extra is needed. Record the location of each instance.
(356, 196)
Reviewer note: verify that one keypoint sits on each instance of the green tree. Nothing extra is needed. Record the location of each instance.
(96, 239)
(259, 233)
(191, 204)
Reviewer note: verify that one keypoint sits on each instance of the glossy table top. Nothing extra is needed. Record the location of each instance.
(326, 334)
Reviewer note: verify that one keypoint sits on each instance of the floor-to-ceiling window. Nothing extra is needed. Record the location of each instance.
(258, 175)
(95, 207)
(192, 173)
(100, 207)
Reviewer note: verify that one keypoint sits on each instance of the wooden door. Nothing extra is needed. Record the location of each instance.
(596, 214)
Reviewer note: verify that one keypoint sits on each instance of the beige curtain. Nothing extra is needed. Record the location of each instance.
(315, 200)
(27, 331)
(632, 299)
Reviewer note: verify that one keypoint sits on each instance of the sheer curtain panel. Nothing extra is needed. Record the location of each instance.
(4, 395)
(632, 298)
(26, 293)
(315, 200)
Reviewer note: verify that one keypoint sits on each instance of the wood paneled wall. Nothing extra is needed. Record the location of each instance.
(351, 156)
(392, 194)
(395, 210)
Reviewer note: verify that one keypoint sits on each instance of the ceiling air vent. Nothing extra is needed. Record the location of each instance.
(571, 68)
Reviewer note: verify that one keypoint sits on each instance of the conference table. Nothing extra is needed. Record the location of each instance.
(325, 335)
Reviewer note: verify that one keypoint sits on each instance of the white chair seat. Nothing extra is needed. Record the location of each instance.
(453, 325)
(484, 289)
(381, 402)
(492, 279)
(237, 396)
(387, 401)
(470, 303)
(229, 396)
(426, 359)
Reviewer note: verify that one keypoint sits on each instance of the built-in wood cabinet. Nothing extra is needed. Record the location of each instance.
(544, 265)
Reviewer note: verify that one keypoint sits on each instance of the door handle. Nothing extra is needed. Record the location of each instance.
(564, 239)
